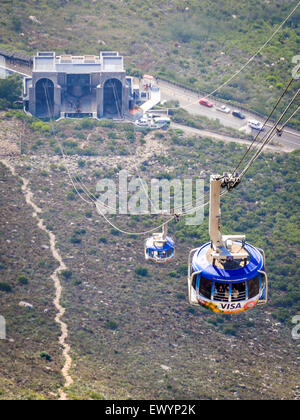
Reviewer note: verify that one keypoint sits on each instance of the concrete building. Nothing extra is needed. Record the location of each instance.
(79, 86)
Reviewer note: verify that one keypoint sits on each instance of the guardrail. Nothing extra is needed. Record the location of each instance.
(202, 93)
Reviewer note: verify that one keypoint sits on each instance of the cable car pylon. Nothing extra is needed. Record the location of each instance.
(226, 275)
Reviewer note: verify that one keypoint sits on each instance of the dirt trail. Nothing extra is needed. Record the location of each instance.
(55, 277)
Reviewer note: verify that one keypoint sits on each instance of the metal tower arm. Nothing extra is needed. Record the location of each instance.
(215, 212)
(222, 244)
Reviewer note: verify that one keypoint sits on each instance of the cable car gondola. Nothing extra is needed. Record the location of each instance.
(227, 274)
(159, 247)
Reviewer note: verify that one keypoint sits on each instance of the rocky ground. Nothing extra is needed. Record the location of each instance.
(130, 335)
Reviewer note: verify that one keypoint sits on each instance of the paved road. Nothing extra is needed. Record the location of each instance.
(226, 138)
(290, 138)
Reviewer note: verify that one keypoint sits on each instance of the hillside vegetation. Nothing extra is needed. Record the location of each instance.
(30, 358)
(10, 89)
(199, 44)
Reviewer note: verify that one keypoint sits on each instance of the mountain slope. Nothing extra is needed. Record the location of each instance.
(131, 331)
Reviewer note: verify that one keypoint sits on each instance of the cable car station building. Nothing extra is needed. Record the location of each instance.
(79, 86)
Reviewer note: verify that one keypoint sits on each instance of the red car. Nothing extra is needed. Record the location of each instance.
(206, 102)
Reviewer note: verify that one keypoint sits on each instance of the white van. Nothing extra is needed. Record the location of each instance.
(256, 125)
(161, 122)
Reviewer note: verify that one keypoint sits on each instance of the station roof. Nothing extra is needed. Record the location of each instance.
(15, 55)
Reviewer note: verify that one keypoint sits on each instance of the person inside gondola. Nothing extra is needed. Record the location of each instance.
(219, 291)
(235, 293)
(226, 297)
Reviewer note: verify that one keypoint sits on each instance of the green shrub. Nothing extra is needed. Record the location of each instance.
(22, 280)
(16, 23)
(79, 232)
(114, 232)
(87, 123)
(96, 397)
(173, 274)
(86, 152)
(5, 287)
(111, 325)
(92, 251)
(10, 90)
(71, 196)
(191, 310)
(70, 143)
(75, 239)
(76, 236)
(230, 330)
(141, 271)
(66, 274)
(41, 126)
(45, 356)
(182, 270)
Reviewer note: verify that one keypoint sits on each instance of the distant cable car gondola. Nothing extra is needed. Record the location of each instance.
(159, 247)
(227, 274)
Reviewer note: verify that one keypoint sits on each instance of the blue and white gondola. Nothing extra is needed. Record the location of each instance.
(229, 287)
(160, 248)
(226, 275)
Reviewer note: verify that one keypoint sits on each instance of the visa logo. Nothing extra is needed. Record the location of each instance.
(228, 306)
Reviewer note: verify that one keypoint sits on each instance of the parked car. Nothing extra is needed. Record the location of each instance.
(206, 102)
(160, 122)
(238, 114)
(223, 108)
(256, 125)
